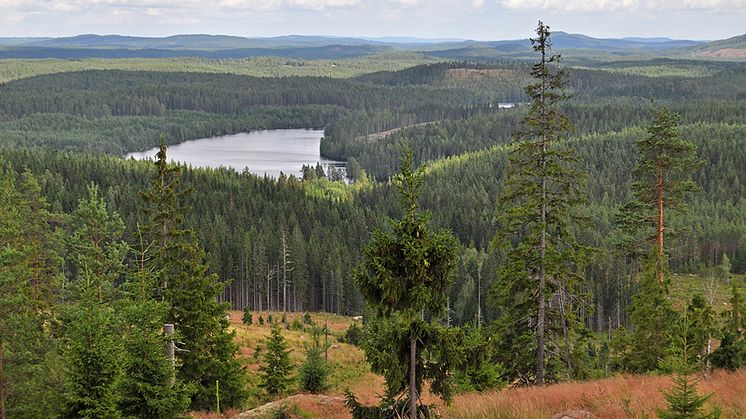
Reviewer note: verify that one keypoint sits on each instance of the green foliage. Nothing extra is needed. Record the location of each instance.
(307, 320)
(276, 369)
(653, 319)
(478, 371)
(248, 317)
(261, 320)
(93, 356)
(540, 197)
(150, 387)
(731, 354)
(404, 277)
(314, 371)
(191, 293)
(353, 335)
(685, 403)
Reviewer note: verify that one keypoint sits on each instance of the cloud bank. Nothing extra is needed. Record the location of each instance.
(625, 5)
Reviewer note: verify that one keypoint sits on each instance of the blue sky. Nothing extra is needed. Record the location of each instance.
(470, 19)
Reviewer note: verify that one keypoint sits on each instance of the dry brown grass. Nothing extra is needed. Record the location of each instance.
(617, 397)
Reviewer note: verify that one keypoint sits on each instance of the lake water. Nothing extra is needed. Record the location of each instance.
(261, 152)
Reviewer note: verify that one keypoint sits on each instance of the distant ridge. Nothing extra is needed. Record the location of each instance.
(334, 47)
(733, 48)
(217, 42)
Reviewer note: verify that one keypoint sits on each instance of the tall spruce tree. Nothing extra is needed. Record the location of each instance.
(150, 388)
(405, 276)
(191, 292)
(540, 196)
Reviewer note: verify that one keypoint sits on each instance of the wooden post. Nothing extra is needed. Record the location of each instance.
(168, 330)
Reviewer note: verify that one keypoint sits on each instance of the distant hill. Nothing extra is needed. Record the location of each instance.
(189, 42)
(311, 47)
(731, 49)
(329, 52)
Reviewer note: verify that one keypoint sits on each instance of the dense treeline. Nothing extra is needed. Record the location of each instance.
(459, 193)
(87, 315)
(120, 134)
(453, 137)
(242, 220)
(95, 110)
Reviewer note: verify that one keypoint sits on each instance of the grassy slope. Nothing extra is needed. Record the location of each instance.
(617, 397)
(349, 368)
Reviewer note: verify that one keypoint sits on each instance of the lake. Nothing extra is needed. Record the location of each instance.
(261, 152)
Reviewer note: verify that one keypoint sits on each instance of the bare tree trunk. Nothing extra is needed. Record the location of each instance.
(284, 273)
(413, 377)
(168, 330)
(660, 227)
(479, 295)
(565, 335)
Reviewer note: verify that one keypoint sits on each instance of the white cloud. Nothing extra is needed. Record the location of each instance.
(625, 5)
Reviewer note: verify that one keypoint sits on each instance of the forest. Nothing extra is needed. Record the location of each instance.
(433, 160)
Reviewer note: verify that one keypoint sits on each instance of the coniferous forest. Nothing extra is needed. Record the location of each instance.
(499, 223)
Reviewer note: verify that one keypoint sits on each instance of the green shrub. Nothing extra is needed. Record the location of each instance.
(296, 325)
(314, 371)
(353, 335)
(248, 318)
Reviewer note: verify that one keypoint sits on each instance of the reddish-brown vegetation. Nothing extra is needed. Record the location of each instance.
(616, 397)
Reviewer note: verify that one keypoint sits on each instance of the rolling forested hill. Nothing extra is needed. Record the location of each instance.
(463, 145)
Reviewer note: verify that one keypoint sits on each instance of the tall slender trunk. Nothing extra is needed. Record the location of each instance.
(284, 274)
(164, 235)
(413, 377)
(541, 320)
(660, 226)
(479, 295)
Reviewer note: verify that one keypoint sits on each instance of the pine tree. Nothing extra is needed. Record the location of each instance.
(541, 195)
(191, 292)
(665, 163)
(276, 370)
(405, 276)
(314, 371)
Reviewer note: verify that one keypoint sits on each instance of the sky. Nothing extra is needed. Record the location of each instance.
(464, 19)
